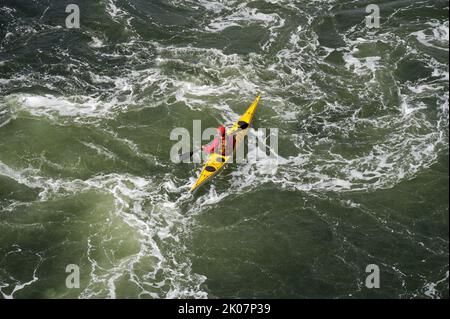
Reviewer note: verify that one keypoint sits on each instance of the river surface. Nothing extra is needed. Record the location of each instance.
(362, 175)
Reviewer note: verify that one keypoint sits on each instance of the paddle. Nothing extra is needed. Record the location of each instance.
(185, 156)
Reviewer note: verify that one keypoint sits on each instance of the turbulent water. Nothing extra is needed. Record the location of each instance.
(86, 177)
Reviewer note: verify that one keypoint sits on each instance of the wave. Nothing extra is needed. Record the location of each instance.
(351, 115)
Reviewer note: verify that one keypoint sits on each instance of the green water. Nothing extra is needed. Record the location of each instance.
(86, 177)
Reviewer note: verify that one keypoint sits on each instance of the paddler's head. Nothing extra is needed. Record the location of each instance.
(221, 130)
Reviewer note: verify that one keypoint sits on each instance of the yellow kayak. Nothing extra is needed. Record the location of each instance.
(216, 162)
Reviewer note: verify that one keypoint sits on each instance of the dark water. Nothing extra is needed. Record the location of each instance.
(86, 178)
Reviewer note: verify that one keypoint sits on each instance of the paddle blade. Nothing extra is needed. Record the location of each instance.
(186, 156)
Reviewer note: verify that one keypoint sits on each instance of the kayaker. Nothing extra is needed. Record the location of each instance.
(219, 141)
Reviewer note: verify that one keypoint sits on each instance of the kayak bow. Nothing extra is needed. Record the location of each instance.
(216, 162)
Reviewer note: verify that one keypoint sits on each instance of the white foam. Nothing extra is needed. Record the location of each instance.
(20, 285)
(243, 17)
(430, 290)
(392, 158)
(113, 10)
(49, 105)
(361, 66)
(100, 150)
(437, 36)
(131, 195)
(214, 6)
(407, 109)
(96, 43)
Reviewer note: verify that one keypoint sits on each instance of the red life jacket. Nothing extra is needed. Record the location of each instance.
(212, 147)
(216, 143)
